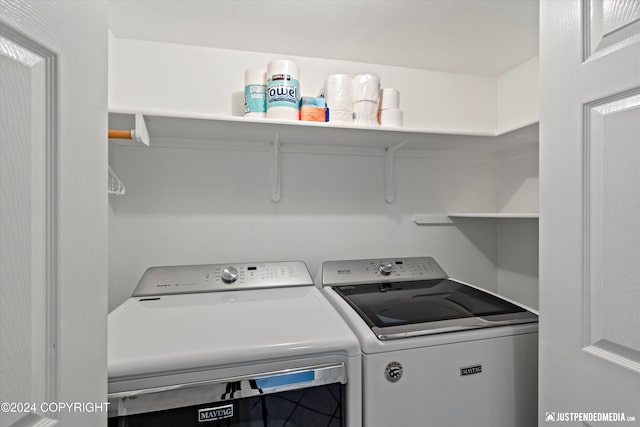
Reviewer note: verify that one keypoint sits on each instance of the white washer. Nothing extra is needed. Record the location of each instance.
(231, 345)
(436, 351)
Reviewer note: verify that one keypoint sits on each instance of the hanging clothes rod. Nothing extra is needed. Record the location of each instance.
(120, 134)
(139, 134)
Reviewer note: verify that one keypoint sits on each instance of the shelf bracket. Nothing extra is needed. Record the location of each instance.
(389, 187)
(139, 134)
(275, 179)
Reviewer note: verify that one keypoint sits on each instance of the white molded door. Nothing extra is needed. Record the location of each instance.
(590, 206)
(53, 212)
(26, 326)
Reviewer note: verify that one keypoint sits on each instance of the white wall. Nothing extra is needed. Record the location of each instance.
(517, 96)
(206, 206)
(518, 260)
(215, 207)
(155, 76)
(518, 183)
(518, 239)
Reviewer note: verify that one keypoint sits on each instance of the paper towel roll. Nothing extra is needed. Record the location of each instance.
(366, 87)
(365, 113)
(389, 98)
(255, 88)
(339, 116)
(283, 90)
(391, 117)
(339, 92)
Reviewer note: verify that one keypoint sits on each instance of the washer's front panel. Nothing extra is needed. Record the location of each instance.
(490, 382)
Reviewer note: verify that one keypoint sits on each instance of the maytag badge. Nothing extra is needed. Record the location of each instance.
(393, 372)
(470, 370)
(214, 414)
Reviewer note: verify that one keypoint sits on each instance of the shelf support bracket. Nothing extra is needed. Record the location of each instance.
(141, 133)
(389, 187)
(275, 179)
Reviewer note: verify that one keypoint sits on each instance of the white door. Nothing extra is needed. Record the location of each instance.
(590, 211)
(53, 207)
(26, 354)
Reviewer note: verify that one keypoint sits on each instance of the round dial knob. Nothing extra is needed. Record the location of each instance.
(385, 269)
(229, 275)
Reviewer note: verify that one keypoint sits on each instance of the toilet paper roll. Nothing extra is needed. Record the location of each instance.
(338, 116)
(365, 113)
(339, 92)
(366, 87)
(255, 88)
(389, 98)
(283, 90)
(391, 117)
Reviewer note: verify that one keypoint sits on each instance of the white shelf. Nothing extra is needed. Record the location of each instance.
(216, 132)
(203, 131)
(495, 215)
(449, 218)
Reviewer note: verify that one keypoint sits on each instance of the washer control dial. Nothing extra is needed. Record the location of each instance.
(229, 275)
(385, 269)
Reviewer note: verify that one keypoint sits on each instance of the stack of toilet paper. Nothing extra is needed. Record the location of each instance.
(366, 94)
(338, 92)
(390, 114)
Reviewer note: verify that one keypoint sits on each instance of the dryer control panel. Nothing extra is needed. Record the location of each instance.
(354, 272)
(188, 279)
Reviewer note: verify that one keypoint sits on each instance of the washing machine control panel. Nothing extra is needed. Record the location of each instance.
(186, 279)
(377, 270)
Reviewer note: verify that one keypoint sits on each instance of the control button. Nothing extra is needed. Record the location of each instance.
(385, 269)
(229, 275)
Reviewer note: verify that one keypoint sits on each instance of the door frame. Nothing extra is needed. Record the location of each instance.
(49, 195)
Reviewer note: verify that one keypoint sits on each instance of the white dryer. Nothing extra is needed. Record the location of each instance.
(251, 344)
(436, 352)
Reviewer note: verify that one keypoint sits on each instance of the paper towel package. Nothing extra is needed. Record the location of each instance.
(283, 90)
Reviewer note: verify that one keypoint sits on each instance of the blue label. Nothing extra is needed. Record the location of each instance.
(285, 379)
(255, 98)
(283, 91)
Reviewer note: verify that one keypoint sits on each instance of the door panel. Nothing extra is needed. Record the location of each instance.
(590, 203)
(610, 24)
(26, 350)
(613, 232)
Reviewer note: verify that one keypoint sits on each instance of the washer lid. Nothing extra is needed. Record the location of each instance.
(424, 307)
(149, 336)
